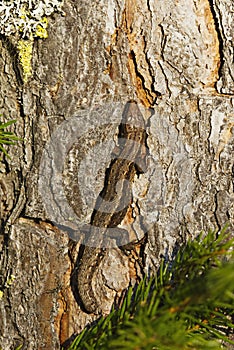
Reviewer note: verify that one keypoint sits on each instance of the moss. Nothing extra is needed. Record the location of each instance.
(25, 48)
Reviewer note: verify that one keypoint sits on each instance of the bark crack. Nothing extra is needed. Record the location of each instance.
(14, 56)
(218, 27)
(147, 96)
(215, 212)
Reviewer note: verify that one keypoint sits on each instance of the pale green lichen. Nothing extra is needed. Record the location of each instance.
(25, 48)
(8, 283)
(27, 20)
(25, 15)
(41, 30)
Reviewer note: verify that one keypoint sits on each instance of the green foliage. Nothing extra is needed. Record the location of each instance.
(7, 137)
(188, 305)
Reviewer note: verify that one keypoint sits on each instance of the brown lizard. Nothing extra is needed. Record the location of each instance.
(114, 200)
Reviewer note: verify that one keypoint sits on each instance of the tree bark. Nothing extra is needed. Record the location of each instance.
(176, 60)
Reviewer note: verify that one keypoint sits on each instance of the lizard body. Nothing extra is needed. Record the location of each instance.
(114, 200)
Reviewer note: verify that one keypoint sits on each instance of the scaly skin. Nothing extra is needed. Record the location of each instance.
(113, 202)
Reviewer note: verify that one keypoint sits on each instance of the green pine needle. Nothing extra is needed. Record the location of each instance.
(7, 137)
(187, 306)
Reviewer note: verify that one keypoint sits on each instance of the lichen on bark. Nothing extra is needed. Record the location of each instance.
(24, 21)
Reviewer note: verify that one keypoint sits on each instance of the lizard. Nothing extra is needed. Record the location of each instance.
(111, 206)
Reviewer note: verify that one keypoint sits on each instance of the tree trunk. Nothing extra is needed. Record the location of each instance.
(175, 59)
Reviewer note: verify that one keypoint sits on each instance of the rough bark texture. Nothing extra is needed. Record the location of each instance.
(176, 59)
